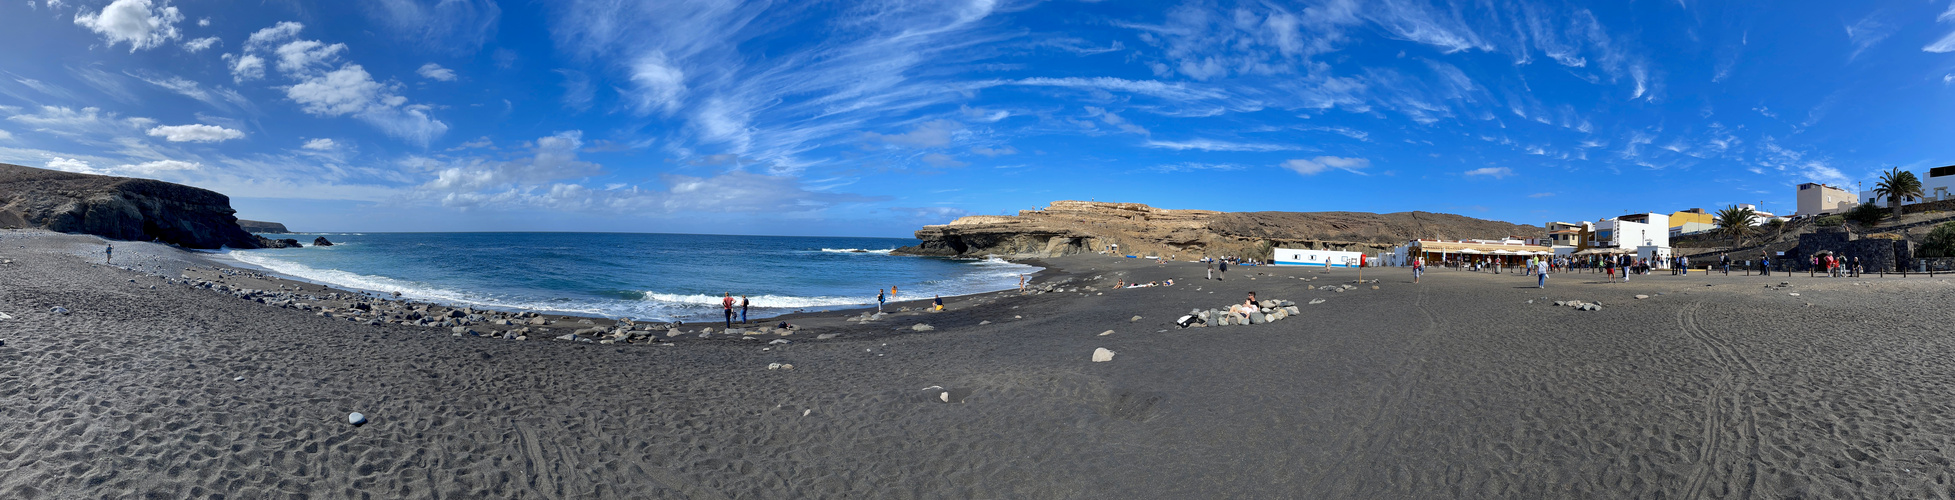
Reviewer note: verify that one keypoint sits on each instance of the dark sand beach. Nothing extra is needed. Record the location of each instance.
(1458, 387)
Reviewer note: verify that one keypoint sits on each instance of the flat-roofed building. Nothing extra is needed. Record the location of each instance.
(1691, 221)
(1938, 185)
(1822, 199)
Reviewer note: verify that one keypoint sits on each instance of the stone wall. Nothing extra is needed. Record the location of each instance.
(1876, 254)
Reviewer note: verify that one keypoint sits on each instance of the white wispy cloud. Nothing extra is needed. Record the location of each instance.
(1115, 120)
(320, 144)
(453, 26)
(434, 71)
(1319, 164)
(1153, 88)
(195, 133)
(215, 96)
(139, 23)
(1494, 172)
(931, 134)
(1214, 145)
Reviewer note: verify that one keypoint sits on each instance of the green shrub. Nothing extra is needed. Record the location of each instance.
(1829, 221)
(1940, 242)
(1866, 214)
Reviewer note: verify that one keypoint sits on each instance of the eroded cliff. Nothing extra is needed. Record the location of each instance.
(119, 207)
(1070, 227)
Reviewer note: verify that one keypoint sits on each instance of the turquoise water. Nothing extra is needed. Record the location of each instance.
(644, 276)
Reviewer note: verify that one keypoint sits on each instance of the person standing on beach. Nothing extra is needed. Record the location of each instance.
(743, 309)
(1021, 283)
(1223, 268)
(108, 254)
(1541, 274)
(880, 299)
(1725, 260)
(892, 292)
(1211, 269)
(727, 305)
(1418, 269)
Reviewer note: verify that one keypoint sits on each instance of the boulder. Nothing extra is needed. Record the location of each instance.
(1102, 355)
(321, 242)
(922, 327)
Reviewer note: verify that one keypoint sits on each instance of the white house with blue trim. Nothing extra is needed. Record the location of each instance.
(1316, 258)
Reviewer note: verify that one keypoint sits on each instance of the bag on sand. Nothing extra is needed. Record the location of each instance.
(1189, 320)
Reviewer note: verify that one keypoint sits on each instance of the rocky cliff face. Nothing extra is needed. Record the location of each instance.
(257, 226)
(119, 207)
(1070, 227)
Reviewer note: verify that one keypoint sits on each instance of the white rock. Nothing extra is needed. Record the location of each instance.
(944, 396)
(239, 379)
(778, 342)
(1316, 301)
(1134, 319)
(980, 323)
(356, 419)
(806, 412)
(922, 327)
(1641, 297)
(773, 366)
(1794, 294)
(1102, 355)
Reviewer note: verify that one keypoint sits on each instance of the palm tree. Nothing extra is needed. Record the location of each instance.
(1735, 222)
(1898, 185)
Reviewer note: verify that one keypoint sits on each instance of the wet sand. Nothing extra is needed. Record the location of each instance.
(1455, 387)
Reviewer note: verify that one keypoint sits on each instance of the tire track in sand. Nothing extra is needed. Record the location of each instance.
(1374, 436)
(1730, 428)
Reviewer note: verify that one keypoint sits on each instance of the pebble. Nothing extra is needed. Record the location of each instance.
(773, 366)
(58, 310)
(827, 336)
(778, 342)
(1641, 297)
(239, 379)
(985, 322)
(922, 327)
(1106, 333)
(356, 419)
(1794, 294)
(1316, 301)
(1102, 355)
(1133, 319)
(4, 316)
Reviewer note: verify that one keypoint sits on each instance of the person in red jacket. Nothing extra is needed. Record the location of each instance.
(727, 304)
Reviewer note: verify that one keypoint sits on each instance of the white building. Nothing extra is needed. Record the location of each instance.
(1938, 185)
(1316, 258)
(1646, 234)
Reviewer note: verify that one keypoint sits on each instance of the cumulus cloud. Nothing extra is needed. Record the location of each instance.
(5, 135)
(195, 133)
(320, 144)
(245, 67)
(931, 134)
(434, 71)
(72, 165)
(158, 166)
(1494, 172)
(139, 23)
(346, 90)
(307, 56)
(1319, 164)
(198, 45)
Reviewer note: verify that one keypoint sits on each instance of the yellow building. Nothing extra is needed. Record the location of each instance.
(1691, 221)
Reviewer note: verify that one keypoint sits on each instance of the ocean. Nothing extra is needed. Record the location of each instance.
(659, 277)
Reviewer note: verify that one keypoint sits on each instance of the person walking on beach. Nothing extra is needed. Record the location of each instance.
(1725, 260)
(743, 309)
(1418, 269)
(1021, 283)
(880, 299)
(1211, 269)
(1541, 274)
(108, 254)
(1222, 270)
(727, 305)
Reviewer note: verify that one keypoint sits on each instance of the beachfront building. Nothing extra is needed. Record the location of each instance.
(1691, 221)
(1938, 185)
(1645, 235)
(1821, 199)
(1506, 252)
(1316, 258)
(1566, 238)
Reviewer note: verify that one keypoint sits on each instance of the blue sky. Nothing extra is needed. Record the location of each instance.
(872, 118)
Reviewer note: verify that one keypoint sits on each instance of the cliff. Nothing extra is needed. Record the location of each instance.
(255, 226)
(1070, 227)
(119, 208)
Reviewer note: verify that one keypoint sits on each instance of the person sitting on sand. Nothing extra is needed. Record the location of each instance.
(940, 303)
(1121, 284)
(1247, 306)
(1170, 282)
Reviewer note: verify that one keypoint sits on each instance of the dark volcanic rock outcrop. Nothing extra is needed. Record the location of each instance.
(1069, 227)
(321, 242)
(258, 226)
(119, 208)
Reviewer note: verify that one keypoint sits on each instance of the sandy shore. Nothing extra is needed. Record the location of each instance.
(1713, 386)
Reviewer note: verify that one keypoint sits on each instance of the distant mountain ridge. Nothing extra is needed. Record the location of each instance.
(120, 208)
(1070, 227)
